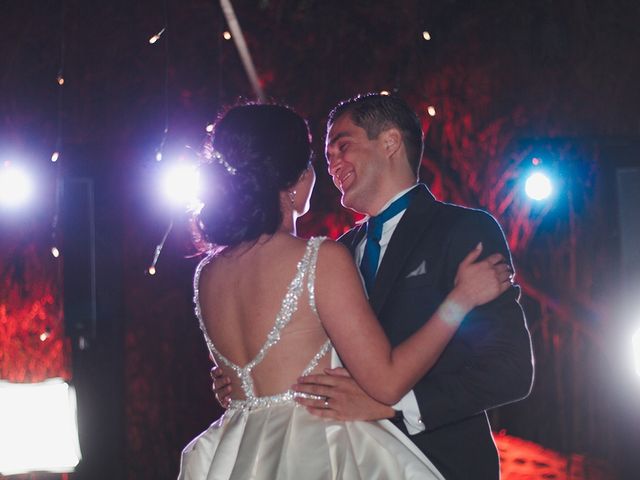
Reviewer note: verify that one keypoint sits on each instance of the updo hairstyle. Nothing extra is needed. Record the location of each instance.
(268, 148)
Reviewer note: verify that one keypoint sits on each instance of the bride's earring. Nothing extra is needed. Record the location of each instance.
(292, 197)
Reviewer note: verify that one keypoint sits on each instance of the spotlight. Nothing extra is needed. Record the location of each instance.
(538, 186)
(181, 185)
(39, 427)
(15, 186)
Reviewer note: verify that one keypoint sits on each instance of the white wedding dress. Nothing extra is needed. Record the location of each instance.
(271, 437)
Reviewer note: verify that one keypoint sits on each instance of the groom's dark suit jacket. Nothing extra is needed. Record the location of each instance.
(487, 363)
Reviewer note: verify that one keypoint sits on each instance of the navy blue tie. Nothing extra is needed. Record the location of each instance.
(371, 256)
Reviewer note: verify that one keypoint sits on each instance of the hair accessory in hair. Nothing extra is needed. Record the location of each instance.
(210, 154)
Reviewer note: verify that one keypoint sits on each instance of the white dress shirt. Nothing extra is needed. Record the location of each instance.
(407, 404)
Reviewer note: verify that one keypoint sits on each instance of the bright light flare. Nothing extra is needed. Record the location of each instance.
(538, 186)
(39, 427)
(16, 186)
(181, 185)
(635, 341)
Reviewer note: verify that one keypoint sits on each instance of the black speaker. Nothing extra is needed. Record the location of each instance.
(78, 224)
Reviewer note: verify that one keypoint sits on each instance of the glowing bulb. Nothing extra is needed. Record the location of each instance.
(431, 110)
(60, 80)
(426, 35)
(384, 92)
(15, 186)
(55, 156)
(55, 252)
(44, 336)
(538, 186)
(226, 35)
(209, 128)
(156, 37)
(152, 270)
(158, 156)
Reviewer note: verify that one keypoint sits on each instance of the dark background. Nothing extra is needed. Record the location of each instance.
(510, 81)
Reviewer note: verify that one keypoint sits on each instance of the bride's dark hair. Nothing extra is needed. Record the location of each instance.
(263, 150)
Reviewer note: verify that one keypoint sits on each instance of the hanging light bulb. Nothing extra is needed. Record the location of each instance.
(55, 252)
(426, 35)
(55, 156)
(226, 35)
(156, 37)
(431, 110)
(209, 128)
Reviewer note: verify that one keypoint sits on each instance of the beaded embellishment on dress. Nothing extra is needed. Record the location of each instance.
(306, 268)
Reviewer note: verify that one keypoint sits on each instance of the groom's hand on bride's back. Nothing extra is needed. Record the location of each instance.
(341, 397)
(221, 386)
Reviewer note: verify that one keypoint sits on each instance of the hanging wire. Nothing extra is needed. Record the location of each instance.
(56, 155)
(165, 36)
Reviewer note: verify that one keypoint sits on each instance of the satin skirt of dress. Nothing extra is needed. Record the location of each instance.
(287, 442)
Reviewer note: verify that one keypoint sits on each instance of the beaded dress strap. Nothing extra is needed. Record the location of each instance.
(314, 243)
(288, 307)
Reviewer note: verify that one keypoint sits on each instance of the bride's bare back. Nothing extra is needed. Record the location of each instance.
(240, 297)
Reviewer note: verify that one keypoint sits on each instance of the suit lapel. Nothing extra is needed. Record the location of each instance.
(407, 234)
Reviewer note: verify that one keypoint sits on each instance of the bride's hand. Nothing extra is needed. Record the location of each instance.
(479, 282)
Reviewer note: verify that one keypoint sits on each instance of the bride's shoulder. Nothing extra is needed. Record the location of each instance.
(333, 255)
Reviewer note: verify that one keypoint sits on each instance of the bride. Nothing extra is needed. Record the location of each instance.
(272, 306)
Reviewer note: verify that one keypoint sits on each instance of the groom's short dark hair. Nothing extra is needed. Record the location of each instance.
(375, 113)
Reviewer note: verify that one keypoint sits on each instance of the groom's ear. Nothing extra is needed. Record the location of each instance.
(392, 141)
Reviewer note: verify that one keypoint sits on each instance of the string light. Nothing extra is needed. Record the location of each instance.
(157, 36)
(44, 336)
(151, 270)
(426, 35)
(60, 80)
(209, 128)
(55, 252)
(431, 110)
(226, 35)
(384, 92)
(55, 156)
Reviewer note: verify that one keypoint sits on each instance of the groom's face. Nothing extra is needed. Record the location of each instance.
(356, 164)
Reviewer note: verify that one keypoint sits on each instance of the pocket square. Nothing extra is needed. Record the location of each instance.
(421, 270)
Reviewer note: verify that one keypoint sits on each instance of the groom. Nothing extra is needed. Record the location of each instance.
(409, 262)
(374, 148)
